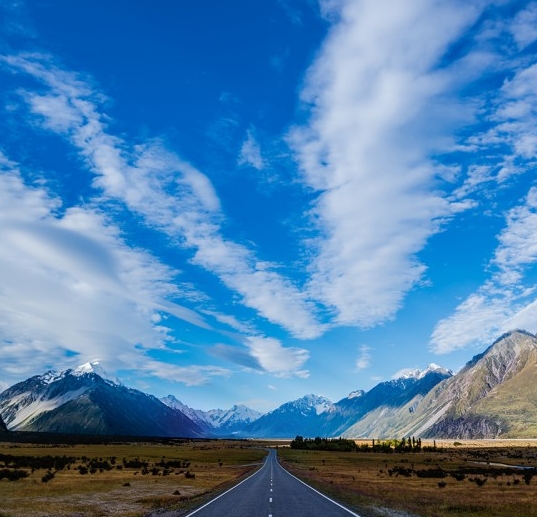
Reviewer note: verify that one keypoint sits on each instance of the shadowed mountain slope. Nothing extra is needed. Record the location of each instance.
(82, 402)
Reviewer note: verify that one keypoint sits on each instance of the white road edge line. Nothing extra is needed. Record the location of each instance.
(232, 488)
(317, 491)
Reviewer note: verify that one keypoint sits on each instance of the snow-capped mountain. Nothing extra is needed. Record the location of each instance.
(420, 374)
(80, 401)
(493, 395)
(356, 394)
(96, 368)
(229, 421)
(374, 414)
(195, 415)
(299, 417)
(380, 402)
(221, 422)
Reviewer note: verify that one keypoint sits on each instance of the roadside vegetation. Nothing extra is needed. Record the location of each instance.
(432, 481)
(378, 478)
(117, 479)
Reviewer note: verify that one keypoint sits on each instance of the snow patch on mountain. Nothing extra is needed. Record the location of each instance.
(50, 377)
(93, 367)
(194, 414)
(237, 413)
(40, 405)
(410, 373)
(310, 403)
(216, 418)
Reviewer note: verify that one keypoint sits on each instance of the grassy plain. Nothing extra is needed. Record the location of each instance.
(118, 479)
(461, 479)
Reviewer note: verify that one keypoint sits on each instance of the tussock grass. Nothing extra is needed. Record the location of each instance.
(118, 490)
(458, 481)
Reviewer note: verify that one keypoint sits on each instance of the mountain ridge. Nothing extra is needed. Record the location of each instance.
(221, 422)
(291, 418)
(81, 402)
(382, 401)
(479, 400)
(491, 396)
(487, 392)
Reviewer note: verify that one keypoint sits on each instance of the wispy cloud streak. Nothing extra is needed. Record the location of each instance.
(71, 288)
(382, 105)
(169, 193)
(507, 299)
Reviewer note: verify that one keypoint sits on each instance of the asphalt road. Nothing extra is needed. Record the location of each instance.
(272, 492)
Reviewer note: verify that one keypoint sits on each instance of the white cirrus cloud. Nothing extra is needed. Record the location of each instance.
(263, 354)
(276, 359)
(507, 300)
(192, 375)
(381, 106)
(70, 288)
(524, 26)
(518, 247)
(250, 153)
(479, 320)
(508, 147)
(364, 358)
(169, 193)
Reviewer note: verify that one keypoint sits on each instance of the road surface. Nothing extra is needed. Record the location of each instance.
(272, 492)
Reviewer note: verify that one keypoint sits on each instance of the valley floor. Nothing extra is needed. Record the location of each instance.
(460, 478)
(117, 479)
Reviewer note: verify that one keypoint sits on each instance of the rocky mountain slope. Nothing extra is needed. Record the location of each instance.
(494, 395)
(81, 401)
(370, 414)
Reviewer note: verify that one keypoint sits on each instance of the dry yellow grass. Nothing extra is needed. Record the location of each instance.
(125, 492)
(370, 480)
(362, 479)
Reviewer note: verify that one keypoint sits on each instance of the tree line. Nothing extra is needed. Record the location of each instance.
(410, 444)
(324, 444)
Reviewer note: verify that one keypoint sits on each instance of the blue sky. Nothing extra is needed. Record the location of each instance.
(245, 202)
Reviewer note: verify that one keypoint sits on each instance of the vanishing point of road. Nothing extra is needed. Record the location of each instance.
(272, 492)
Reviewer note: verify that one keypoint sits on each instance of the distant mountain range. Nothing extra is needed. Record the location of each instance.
(219, 422)
(299, 417)
(494, 395)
